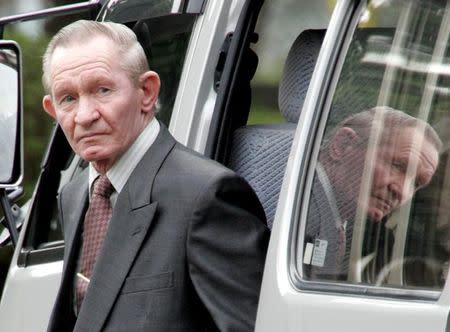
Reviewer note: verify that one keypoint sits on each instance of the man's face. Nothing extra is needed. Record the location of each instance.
(401, 165)
(93, 99)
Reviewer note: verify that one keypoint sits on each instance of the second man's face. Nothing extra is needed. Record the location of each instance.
(93, 99)
(379, 181)
(402, 165)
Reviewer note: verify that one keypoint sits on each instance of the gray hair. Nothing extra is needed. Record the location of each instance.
(388, 119)
(133, 59)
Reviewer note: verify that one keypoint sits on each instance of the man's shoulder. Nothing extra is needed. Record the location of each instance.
(192, 174)
(195, 162)
(168, 155)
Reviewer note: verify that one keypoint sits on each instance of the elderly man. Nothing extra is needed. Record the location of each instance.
(371, 163)
(157, 238)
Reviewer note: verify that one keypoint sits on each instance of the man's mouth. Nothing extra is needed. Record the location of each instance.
(384, 204)
(87, 136)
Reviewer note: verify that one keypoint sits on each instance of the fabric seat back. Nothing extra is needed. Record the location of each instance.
(259, 153)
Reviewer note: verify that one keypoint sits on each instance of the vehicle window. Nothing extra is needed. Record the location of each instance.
(378, 205)
(165, 40)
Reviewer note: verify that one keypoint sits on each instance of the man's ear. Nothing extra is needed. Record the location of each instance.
(47, 103)
(149, 83)
(342, 142)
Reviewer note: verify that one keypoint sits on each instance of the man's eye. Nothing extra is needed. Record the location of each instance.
(67, 99)
(399, 166)
(103, 90)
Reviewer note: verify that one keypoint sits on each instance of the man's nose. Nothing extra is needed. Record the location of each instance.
(87, 112)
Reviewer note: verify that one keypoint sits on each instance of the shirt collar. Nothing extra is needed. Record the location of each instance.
(119, 173)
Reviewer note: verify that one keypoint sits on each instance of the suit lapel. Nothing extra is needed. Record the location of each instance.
(132, 217)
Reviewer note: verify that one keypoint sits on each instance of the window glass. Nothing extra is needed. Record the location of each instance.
(165, 40)
(378, 210)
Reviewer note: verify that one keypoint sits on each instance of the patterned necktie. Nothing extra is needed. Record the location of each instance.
(94, 231)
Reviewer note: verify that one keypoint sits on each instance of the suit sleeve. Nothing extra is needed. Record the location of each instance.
(226, 247)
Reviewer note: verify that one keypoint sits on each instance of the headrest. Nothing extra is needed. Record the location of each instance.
(143, 36)
(297, 73)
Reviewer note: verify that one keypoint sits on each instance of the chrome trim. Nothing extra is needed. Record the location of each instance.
(49, 12)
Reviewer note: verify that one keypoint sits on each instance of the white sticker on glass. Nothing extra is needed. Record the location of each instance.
(319, 253)
(308, 253)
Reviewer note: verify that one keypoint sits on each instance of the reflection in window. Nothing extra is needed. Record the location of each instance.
(8, 112)
(378, 212)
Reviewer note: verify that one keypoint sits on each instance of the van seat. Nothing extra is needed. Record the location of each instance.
(259, 153)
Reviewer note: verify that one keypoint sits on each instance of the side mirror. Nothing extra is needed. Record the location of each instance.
(11, 150)
(11, 161)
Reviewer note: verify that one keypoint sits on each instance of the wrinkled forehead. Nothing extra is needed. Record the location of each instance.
(414, 134)
(96, 50)
(412, 142)
(94, 45)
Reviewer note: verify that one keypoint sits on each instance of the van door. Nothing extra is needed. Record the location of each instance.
(326, 271)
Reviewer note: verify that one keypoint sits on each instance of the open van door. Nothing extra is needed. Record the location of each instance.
(394, 274)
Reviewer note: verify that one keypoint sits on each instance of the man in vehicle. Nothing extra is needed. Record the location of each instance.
(170, 241)
(369, 165)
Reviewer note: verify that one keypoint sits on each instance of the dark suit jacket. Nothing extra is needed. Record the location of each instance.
(184, 251)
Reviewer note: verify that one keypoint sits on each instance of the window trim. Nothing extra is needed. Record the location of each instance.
(92, 5)
(191, 7)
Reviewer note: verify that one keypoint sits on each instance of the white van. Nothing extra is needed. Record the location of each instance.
(257, 86)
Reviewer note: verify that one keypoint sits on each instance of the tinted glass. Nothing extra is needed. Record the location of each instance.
(378, 212)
